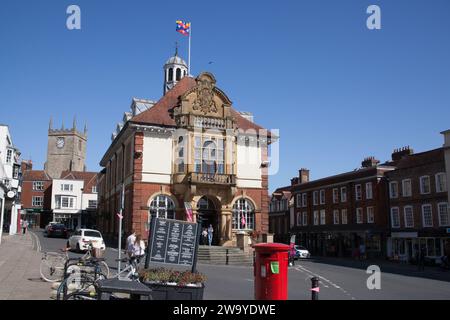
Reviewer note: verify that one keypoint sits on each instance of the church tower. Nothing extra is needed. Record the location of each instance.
(66, 150)
(174, 70)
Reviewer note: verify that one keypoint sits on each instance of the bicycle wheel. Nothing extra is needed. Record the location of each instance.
(104, 268)
(52, 267)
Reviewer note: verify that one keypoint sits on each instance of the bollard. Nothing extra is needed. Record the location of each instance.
(315, 288)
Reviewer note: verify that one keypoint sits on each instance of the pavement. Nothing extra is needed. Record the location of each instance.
(19, 269)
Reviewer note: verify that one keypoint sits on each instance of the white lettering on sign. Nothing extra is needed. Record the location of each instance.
(374, 280)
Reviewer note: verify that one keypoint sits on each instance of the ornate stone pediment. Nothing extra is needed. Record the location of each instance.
(204, 101)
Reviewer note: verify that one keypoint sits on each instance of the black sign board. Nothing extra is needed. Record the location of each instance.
(173, 242)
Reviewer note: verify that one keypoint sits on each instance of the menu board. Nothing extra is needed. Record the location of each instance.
(173, 241)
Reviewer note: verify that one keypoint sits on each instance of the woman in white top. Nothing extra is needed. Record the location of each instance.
(137, 248)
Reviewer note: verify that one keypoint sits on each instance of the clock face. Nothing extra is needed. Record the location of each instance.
(60, 143)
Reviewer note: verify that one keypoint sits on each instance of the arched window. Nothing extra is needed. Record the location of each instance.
(243, 215)
(170, 74)
(178, 74)
(162, 206)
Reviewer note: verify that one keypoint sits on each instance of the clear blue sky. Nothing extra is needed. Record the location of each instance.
(337, 91)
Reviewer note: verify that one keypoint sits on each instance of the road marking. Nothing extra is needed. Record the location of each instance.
(250, 280)
(303, 269)
(38, 242)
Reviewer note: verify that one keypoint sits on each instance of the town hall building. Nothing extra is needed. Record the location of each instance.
(192, 148)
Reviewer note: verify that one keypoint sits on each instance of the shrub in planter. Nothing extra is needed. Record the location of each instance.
(169, 284)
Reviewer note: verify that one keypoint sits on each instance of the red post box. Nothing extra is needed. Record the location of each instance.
(271, 271)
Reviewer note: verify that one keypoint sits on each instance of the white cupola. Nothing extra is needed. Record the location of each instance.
(174, 70)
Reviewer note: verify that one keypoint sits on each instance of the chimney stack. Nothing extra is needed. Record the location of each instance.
(303, 175)
(370, 162)
(400, 153)
(294, 181)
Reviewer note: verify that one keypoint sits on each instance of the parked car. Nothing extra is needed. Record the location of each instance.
(49, 225)
(57, 230)
(81, 238)
(301, 253)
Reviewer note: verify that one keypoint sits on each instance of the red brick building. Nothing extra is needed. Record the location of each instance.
(191, 147)
(36, 195)
(280, 214)
(418, 201)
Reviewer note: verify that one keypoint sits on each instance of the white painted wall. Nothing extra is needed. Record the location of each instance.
(248, 165)
(76, 192)
(86, 198)
(157, 158)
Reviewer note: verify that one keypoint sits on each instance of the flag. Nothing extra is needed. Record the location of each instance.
(243, 221)
(183, 28)
(189, 214)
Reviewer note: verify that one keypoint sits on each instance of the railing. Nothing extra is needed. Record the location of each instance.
(213, 178)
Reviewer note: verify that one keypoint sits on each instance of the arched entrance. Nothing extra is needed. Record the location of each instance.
(209, 215)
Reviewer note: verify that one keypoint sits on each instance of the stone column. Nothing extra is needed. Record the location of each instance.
(225, 227)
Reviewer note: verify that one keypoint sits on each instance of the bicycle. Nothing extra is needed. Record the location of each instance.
(82, 278)
(54, 265)
(130, 271)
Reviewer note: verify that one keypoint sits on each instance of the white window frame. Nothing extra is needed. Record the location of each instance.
(358, 192)
(71, 202)
(423, 215)
(370, 214)
(447, 209)
(316, 198)
(37, 201)
(343, 194)
(359, 216)
(405, 216)
(305, 218)
(304, 200)
(322, 196)
(336, 216)
(299, 219)
(323, 217)
(94, 189)
(369, 190)
(344, 216)
(298, 198)
(391, 189)
(316, 217)
(422, 191)
(395, 226)
(38, 185)
(404, 194)
(444, 177)
(335, 195)
(9, 155)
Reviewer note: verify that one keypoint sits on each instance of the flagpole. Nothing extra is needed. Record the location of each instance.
(189, 50)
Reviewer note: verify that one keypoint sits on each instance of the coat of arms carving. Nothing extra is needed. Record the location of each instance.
(205, 97)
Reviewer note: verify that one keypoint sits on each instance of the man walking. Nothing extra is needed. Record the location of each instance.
(210, 234)
(24, 226)
(130, 242)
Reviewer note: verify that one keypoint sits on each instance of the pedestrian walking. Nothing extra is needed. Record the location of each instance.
(24, 226)
(422, 254)
(210, 234)
(130, 242)
(205, 236)
(362, 251)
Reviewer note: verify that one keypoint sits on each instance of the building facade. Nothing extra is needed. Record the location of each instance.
(418, 199)
(10, 183)
(74, 199)
(281, 215)
(337, 214)
(36, 195)
(191, 148)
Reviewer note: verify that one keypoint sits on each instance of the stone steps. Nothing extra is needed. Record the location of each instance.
(224, 256)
